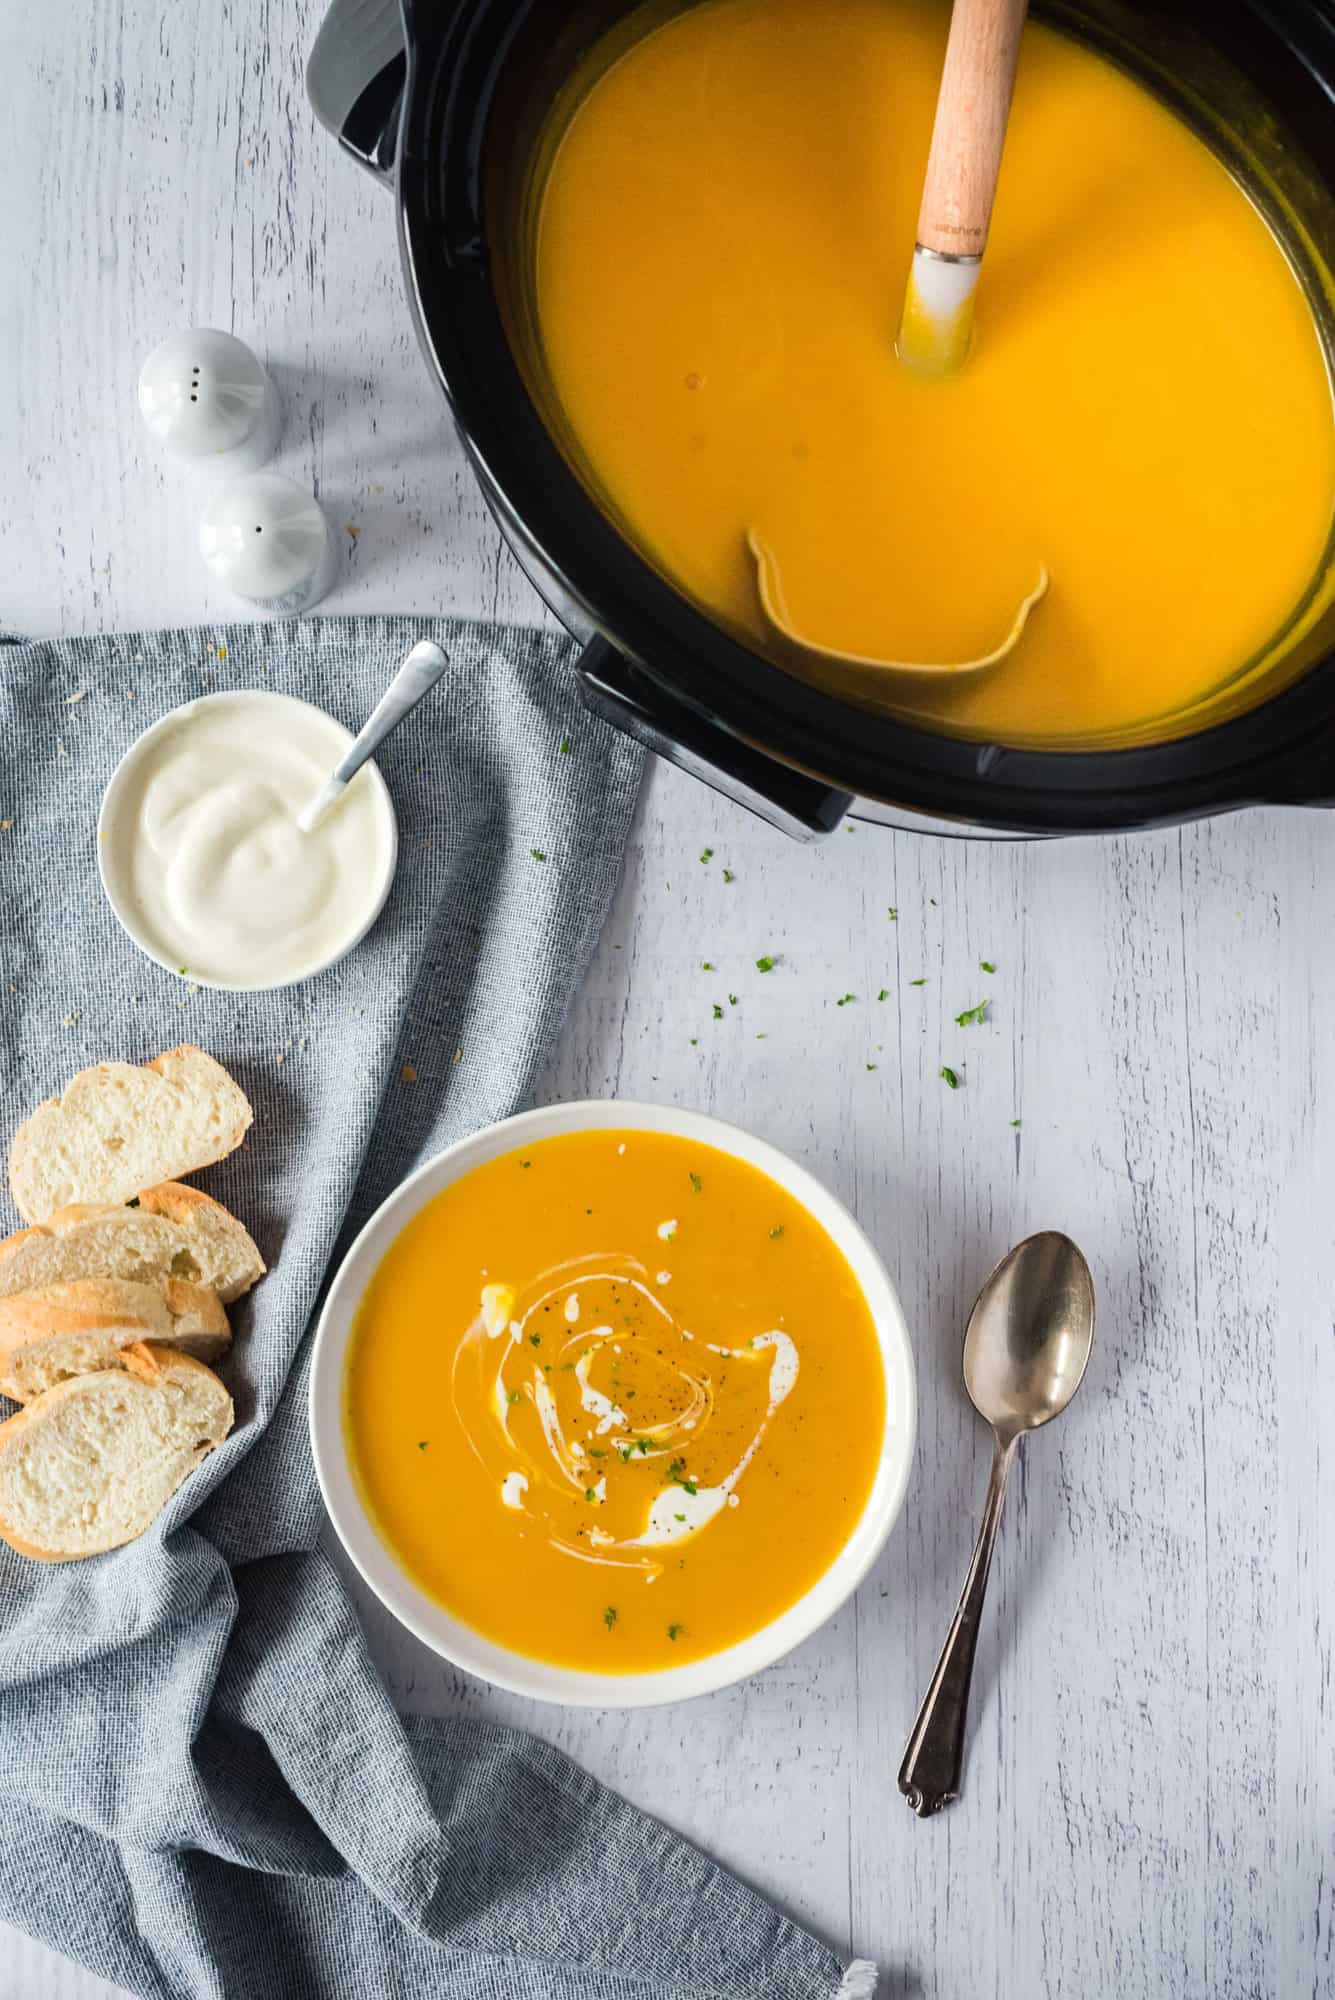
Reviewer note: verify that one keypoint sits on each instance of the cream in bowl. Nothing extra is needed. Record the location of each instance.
(612, 1404)
(201, 855)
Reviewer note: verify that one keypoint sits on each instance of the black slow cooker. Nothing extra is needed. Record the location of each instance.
(445, 101)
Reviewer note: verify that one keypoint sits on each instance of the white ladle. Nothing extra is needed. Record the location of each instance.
(416, 677)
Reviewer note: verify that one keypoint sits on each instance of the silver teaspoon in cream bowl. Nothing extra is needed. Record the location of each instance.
(412, 683)
(1025, 1350)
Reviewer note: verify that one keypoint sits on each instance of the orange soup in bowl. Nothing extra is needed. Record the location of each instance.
(615, 1399)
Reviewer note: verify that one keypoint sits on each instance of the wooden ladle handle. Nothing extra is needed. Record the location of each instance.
(970, 129)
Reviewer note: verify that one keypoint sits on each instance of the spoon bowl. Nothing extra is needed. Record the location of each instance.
(1029, 1335)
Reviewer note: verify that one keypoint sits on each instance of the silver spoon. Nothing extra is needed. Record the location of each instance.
(1025, 1350)
(416, 677)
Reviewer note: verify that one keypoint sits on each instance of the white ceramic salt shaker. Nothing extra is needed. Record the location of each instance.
(267, 539)
(208, 401)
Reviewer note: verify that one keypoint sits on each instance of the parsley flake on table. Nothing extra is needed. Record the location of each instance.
(917, 982)
(846, 998)
(728, 875)
(872, 1065)
(705, 965)
(565, 746)
(1015, 1122)
(732, 999)
(894, 914)
(986, 965)
(948, 1076)
(718, 1011)
(537, 854)
(706, 854)
(767, 963)
(884, 993)
(972, 1017)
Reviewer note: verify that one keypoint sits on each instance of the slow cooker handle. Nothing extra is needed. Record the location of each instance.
(614, 688)
(355, 78)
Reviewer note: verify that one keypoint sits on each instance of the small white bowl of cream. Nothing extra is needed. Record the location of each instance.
(201, 855)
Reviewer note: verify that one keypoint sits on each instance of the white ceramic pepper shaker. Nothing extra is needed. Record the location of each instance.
(208, 401)
(267, 539)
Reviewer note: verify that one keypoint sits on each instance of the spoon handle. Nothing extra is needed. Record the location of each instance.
(929, 1776)
(416, 677)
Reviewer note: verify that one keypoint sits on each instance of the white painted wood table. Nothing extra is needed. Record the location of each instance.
(1150, 1802)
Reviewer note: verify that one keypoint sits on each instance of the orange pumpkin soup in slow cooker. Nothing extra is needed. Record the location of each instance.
(721, 246)
(616, 1400)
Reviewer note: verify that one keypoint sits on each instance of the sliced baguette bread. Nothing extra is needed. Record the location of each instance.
(120, 1127)
(86, 1324)
(175, 1232)
(90, 1464)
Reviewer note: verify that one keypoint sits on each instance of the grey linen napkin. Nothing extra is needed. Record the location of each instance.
(204, 1790)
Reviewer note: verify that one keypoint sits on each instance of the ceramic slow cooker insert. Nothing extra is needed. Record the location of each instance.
(448, 104)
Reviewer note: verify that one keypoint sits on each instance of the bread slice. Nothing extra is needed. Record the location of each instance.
(175, 1232)
(120, 1127)
(90, 1464)
(222, 1249)
(86, 1324)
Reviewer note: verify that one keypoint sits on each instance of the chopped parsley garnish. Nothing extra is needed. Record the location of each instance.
(766, 964)
(986, 965)
(972, 1016)
(695, 1041)
(843, 1002)
(696, 1183)
(565, 746)
(589, 1493)
(422, 1444)
(675, 1632)
(537, 854)
(917, 982)
(732, 999)
(1015, 1122)
(728, 875)
(948, 1076)
(884, 993)
(705, 966)
(776, 1231)
(872, 1065)
(610, 1616)
(718, 1011)
(513, 1396)
(677, 1474)
(679, 1517)
(707, 854)
(535, 1340)
(894, 914)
